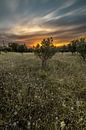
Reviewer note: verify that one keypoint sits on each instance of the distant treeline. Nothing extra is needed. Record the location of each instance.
(78, 45)
(73, 46)
(15, 47)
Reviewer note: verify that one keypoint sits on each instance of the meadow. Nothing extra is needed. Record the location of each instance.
(32, 98)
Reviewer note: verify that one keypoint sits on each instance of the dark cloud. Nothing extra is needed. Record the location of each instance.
(70, 20)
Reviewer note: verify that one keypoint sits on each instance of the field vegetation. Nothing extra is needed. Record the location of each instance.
(35, 99)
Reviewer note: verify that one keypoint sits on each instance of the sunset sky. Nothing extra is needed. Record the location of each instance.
(29, 21)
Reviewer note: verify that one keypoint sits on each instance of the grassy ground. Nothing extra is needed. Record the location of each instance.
(61, 88)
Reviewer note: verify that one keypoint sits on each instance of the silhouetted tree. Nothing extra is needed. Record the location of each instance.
(63, 49)
(81, 48)
(22, 48)
(45, 50)
(72, 46)
(30, 49)
(13, 46)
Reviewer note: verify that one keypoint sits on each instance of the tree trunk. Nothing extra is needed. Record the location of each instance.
(43, 63)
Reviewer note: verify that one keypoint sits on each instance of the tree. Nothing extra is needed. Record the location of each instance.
(13, 46)
(45, 50)
(72, 46)
(22, 48)
(63, 49)
(81, 48)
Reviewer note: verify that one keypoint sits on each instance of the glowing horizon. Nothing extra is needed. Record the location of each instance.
(54, 43)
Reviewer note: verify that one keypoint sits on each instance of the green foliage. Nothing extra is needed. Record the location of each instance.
(45, 50)
(72, 46)
(81, 48)
(22, 48)
(15, 47)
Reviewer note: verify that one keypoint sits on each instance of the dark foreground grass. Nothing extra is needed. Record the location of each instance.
(31, 98)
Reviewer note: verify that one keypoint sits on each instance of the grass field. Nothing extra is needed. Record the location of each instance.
(48, 97)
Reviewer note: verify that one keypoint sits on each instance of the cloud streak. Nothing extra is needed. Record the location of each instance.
(31, 20)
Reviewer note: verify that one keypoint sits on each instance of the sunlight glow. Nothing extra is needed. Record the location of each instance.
(25, 30)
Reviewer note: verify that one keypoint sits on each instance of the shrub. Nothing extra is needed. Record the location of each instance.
(45, 50)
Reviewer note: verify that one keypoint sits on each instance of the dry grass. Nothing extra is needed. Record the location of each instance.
(63, 82)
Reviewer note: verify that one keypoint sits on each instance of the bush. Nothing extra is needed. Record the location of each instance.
(45, 50)
(81, 48)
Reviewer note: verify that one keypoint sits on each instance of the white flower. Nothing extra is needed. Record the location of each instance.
(15, 113)
(62, 124)
(14, 124)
